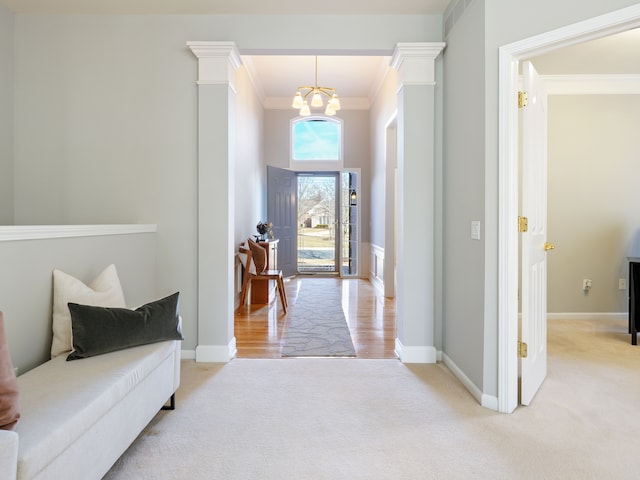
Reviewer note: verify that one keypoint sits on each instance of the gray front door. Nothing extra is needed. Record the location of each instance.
(282, 188)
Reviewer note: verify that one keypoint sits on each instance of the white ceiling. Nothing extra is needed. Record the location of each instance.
(354, 78)
(278, 7)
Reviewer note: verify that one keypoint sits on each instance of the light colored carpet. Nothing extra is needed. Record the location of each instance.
(380, 419)
(317, 326)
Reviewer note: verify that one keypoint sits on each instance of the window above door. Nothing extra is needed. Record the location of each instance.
(316, 143)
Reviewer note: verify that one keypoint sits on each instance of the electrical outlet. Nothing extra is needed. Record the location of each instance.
(15, 369)
(586, 284)
(622, 284)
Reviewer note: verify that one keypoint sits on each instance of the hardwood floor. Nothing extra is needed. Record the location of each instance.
(259, 329)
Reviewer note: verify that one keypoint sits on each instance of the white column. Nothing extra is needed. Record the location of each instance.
(415, 63)
(217, 63)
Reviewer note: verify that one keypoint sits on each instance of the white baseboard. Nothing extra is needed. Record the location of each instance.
(216, 353)
(420, 354)
(587, 315)
(487, 401)
(188, 355)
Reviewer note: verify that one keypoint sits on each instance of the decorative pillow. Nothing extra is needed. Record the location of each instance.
(259, 255)
(98, 330)
(104, 291)
(9, 397)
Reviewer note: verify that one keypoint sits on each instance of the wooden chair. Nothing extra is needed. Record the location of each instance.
(251, 275)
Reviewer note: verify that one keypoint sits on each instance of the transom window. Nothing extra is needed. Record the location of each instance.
(316, 143)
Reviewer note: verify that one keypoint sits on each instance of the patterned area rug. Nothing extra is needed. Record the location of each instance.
(317, 325)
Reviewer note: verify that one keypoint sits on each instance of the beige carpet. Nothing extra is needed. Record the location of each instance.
(380, 419)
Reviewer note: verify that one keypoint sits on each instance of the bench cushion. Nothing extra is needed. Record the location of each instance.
(62, 400)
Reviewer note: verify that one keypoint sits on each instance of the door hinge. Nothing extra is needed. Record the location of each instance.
(523, 224)
(522, 349)
(523, 99)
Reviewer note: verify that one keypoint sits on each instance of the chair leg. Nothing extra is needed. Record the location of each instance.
(243, 293)
(283, 294)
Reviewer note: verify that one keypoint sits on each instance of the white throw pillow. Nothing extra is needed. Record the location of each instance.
(104, 291)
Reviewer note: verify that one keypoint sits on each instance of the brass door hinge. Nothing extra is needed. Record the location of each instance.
(522, 349)
(523, 224)
(523, 99)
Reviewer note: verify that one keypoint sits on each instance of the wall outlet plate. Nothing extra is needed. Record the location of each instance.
(622, 284)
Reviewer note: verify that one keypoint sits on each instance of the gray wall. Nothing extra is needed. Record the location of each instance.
(26, 283)
(112, 103)
(464, 172)
(6, 116)
(593, 218)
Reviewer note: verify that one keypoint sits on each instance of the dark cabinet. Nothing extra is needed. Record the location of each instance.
(634, 298)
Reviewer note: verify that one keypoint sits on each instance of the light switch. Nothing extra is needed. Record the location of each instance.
(475, 230)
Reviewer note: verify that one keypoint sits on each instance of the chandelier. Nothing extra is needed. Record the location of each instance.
(300, 99)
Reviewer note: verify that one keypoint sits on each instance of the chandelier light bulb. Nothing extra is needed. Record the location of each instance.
(305, 111)
(297, 101)
(316, 101)
(330, 111)
(335, 102)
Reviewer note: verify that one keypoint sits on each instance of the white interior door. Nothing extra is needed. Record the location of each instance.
(534, 246)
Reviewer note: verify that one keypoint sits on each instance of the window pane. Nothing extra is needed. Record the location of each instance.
(316, 140)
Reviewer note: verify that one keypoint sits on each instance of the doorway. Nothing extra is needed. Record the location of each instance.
(510, 55)
(318, 223)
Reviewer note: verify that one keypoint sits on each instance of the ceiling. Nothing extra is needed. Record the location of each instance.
(276, 7)
(354, 77)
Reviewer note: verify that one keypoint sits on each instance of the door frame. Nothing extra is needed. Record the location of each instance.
(508, 191)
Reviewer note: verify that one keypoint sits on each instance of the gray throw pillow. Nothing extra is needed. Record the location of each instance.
(98, 330)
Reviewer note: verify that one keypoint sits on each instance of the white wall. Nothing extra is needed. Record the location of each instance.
(250, 179)
(383, 111)
(6, 116)
(593, 214)
(356, 150)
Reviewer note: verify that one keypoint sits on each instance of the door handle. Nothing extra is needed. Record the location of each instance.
(548, 246)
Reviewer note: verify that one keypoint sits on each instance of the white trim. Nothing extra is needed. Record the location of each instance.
(599, 316)
(37, 232)
(509, 55)
(592, 84)
(487, 401)
(376, 258)
(216, 353)
(415, 62)
(420, 354)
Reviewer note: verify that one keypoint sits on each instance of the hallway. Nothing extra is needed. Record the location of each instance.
(259, 329)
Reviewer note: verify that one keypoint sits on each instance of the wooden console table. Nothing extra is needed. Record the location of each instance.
(634, 298)
(261, 291)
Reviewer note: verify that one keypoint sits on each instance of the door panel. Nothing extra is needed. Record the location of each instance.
(534, 254)
(282, 211)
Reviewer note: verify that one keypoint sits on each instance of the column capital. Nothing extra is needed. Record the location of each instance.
(415, 62)
(217, 62)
